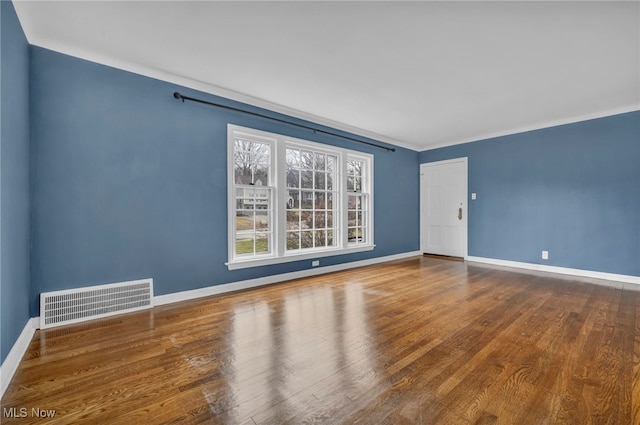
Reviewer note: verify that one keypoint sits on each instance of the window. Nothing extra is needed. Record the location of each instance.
(292, 199)
(311, 211)
(357, 204)
(253, 216)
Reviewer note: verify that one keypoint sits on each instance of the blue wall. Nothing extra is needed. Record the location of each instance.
(573, 190)
(130, 183)
(14, 179)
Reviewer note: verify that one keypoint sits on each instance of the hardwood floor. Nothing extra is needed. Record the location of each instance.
(418, 341)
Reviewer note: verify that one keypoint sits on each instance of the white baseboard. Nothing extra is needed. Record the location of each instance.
(11, 363)
(559, 270)
(267, 280)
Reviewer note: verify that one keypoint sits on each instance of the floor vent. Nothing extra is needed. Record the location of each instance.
(81, 304)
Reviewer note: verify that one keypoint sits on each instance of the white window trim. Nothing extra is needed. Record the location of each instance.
(231, 207)
(367, 189)
(279, 254)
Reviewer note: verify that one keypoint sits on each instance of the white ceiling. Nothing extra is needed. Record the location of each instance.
(416, 74)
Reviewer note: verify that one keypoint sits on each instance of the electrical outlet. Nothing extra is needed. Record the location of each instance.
(315, 263)
(545, 255)
(473, 196)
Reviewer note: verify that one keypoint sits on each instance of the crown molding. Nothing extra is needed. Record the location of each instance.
(540, 126)
(205, 87)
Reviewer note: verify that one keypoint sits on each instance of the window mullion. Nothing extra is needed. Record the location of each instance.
(369, 187)
(344, 204)
(279, 209)
(231, 200)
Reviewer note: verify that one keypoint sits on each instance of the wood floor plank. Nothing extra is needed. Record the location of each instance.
(416, 341)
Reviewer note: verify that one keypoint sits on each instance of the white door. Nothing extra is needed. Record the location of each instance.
(443, 207)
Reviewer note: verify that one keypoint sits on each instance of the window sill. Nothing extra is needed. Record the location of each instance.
(255, 262)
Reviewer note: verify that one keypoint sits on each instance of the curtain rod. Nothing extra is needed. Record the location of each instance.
(181, 97)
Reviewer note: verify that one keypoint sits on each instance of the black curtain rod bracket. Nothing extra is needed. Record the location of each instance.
(181, 97)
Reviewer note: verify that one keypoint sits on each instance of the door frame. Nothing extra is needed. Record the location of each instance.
(465, 206)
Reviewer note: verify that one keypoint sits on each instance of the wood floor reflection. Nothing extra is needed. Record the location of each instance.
(418, 341)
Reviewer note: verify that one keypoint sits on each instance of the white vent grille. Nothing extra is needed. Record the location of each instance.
(78, 305)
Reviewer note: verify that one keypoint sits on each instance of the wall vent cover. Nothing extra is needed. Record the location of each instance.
(82, 304)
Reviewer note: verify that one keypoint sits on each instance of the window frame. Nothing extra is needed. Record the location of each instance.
(290, 144)
(365, 192)
(279, 191)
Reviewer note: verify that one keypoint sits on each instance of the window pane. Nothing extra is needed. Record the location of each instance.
(261, 154)
(307, 200)
(356, 235)
(354, 167)
(351, 218)
(331, 163)
(293, 200)
(262, 243)
(251, 162)
(354, 175)
(306, 220)
(243, 175)
(242, 165)
(293, 158)
(320, 238)
(329, 219)
(306, 179)
(320, 180)
(358, 202)
(293, 220)
(293, 240)
(244, 244)
(245, 192)
(261, 174)
(240, 145)
(320, 219)
(252, 221)
(351, 202)
(330, 178)
(320, 160)
(244, 220)
(350, 183)
(358, 166)
(306, 160)
(320, 200)
(306, 239)
(359, 218)
(351, 169)
(262, 220)
(293, 177)
(293, 165)
(261, 198)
